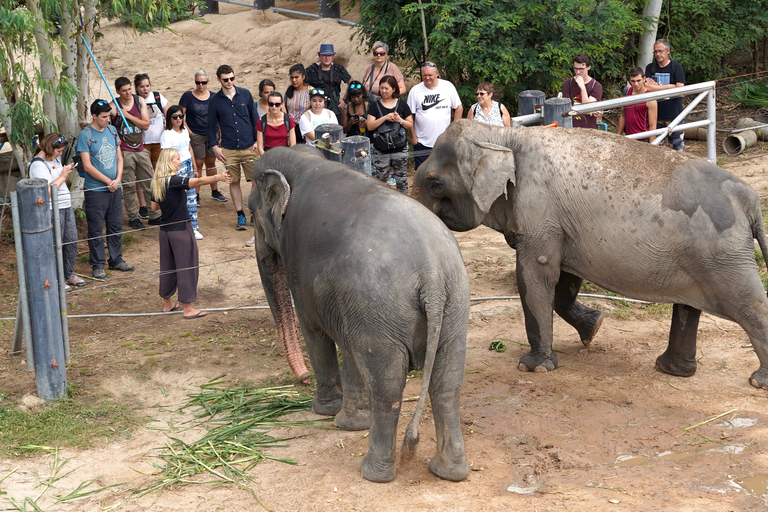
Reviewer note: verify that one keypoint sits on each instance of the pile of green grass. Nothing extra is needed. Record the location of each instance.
(751, 94)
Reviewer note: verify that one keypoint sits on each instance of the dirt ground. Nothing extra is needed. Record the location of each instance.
(605, 431)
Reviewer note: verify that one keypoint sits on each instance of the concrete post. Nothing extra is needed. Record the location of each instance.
(328, 140)
(554, 108)
(329, 8)
(209, 7)
(263, 5)
(356, 153)
(42, 287)
(527, 101)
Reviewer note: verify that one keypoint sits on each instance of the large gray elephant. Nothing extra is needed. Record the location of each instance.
(640, 220)
(376, 274)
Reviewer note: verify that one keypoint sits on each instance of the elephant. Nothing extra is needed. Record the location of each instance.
(374, 273)
(642, 221)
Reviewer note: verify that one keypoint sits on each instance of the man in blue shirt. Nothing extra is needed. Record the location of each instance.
(99, 149)
(231, 115)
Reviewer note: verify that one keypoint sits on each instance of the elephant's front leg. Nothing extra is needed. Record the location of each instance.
(584, 319)
(322, 355)
(680, 357)
(536, 280)
(355, 411)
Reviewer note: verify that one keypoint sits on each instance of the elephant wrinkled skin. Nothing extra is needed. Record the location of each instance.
(376, 274)
(636, 219)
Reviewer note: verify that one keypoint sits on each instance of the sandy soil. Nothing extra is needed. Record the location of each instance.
(605, 431)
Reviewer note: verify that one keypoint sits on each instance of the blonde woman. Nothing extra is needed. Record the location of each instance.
(178, 249)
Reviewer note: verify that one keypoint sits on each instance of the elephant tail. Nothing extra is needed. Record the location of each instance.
(434, 310)
(758, 232)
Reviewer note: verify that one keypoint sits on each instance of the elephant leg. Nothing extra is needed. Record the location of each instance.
(355, 411)
(450, 461)
(322, 355)
(680, 357)
(385, 375)
(536, 282)
(584, 319)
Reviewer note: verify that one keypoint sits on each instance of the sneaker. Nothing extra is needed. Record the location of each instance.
(252, 223)
(218, 196)
(75, 281)
(98, 273)
(136, 224)
(154, 222)
(251, 242)
(67, 288)
(392, 182)
(198, 235)
(241, 225)
(199, 204)
(122, 267)
(143, 213)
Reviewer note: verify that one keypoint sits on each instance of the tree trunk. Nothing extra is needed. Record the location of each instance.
(69, 33)
(17, 151)
(83, 60)
(47, 69)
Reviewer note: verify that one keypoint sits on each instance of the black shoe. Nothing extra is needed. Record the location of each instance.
(252, 223)
(143, 213)
(218, 196)
(154, 222)
(122, 266)
(136, 224)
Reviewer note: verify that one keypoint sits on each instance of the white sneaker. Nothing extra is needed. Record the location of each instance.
(198, 235)
(251, 242)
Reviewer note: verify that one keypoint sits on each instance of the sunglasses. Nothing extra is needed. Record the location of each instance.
(201, 82)
(481, 93)
(428, 65)
(316, 92)
(102, 102)
(60, 140)
(232, 79)
(141, 76)
(355, 85)
(177, 116)
(379, 54)
(274, 104)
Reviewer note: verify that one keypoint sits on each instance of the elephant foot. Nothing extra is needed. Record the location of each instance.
(675, 366)
(355, 419)
(588, 328)
(759, 379)
(326, 407)
(454, 470)
(531, 362)
(377, 471)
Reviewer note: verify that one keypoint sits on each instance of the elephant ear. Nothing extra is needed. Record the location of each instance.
(495, 167)
(275, 192)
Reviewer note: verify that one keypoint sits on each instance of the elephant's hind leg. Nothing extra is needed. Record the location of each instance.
(584, 319)
(680, 357)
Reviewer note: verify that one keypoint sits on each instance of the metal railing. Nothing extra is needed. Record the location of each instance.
(703, 90)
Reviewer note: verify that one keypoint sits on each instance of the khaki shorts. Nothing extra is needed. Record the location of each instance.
(199, 145)
(237, 158)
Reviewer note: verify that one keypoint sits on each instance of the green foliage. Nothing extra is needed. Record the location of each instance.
(751, 94)
(516, 44)
(704, 34)
(144, 16)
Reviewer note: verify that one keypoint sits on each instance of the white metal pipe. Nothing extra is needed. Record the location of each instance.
(687, 110)
(586, 108)
(711, 138)
(679, 128)
(528, 119)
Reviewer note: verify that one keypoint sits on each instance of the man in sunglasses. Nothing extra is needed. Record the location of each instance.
(431, 102)
(232, 134)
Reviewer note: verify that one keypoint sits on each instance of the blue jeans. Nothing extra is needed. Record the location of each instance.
(418, 160)
(675, 139)
(104, 207)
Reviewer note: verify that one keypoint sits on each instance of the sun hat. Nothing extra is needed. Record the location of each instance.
(326, 49)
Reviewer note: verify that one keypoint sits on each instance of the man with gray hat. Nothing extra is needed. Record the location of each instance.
(328, 75)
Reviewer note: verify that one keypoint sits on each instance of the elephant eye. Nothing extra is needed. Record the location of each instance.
(436, 187)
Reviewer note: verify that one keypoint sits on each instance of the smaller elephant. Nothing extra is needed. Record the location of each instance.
(376, 274)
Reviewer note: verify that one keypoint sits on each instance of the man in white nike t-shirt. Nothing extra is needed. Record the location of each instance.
(431, 102)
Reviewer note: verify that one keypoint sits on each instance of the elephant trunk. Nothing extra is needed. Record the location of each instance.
(279, 297)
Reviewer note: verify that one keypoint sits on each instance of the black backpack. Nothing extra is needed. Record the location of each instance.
(286, 119)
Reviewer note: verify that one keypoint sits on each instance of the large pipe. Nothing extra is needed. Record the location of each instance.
(736, 144)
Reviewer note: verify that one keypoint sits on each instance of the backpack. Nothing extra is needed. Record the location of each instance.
(132, 139)
(78, 161)
(36, 159)
(286, 119)
(389, 135)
